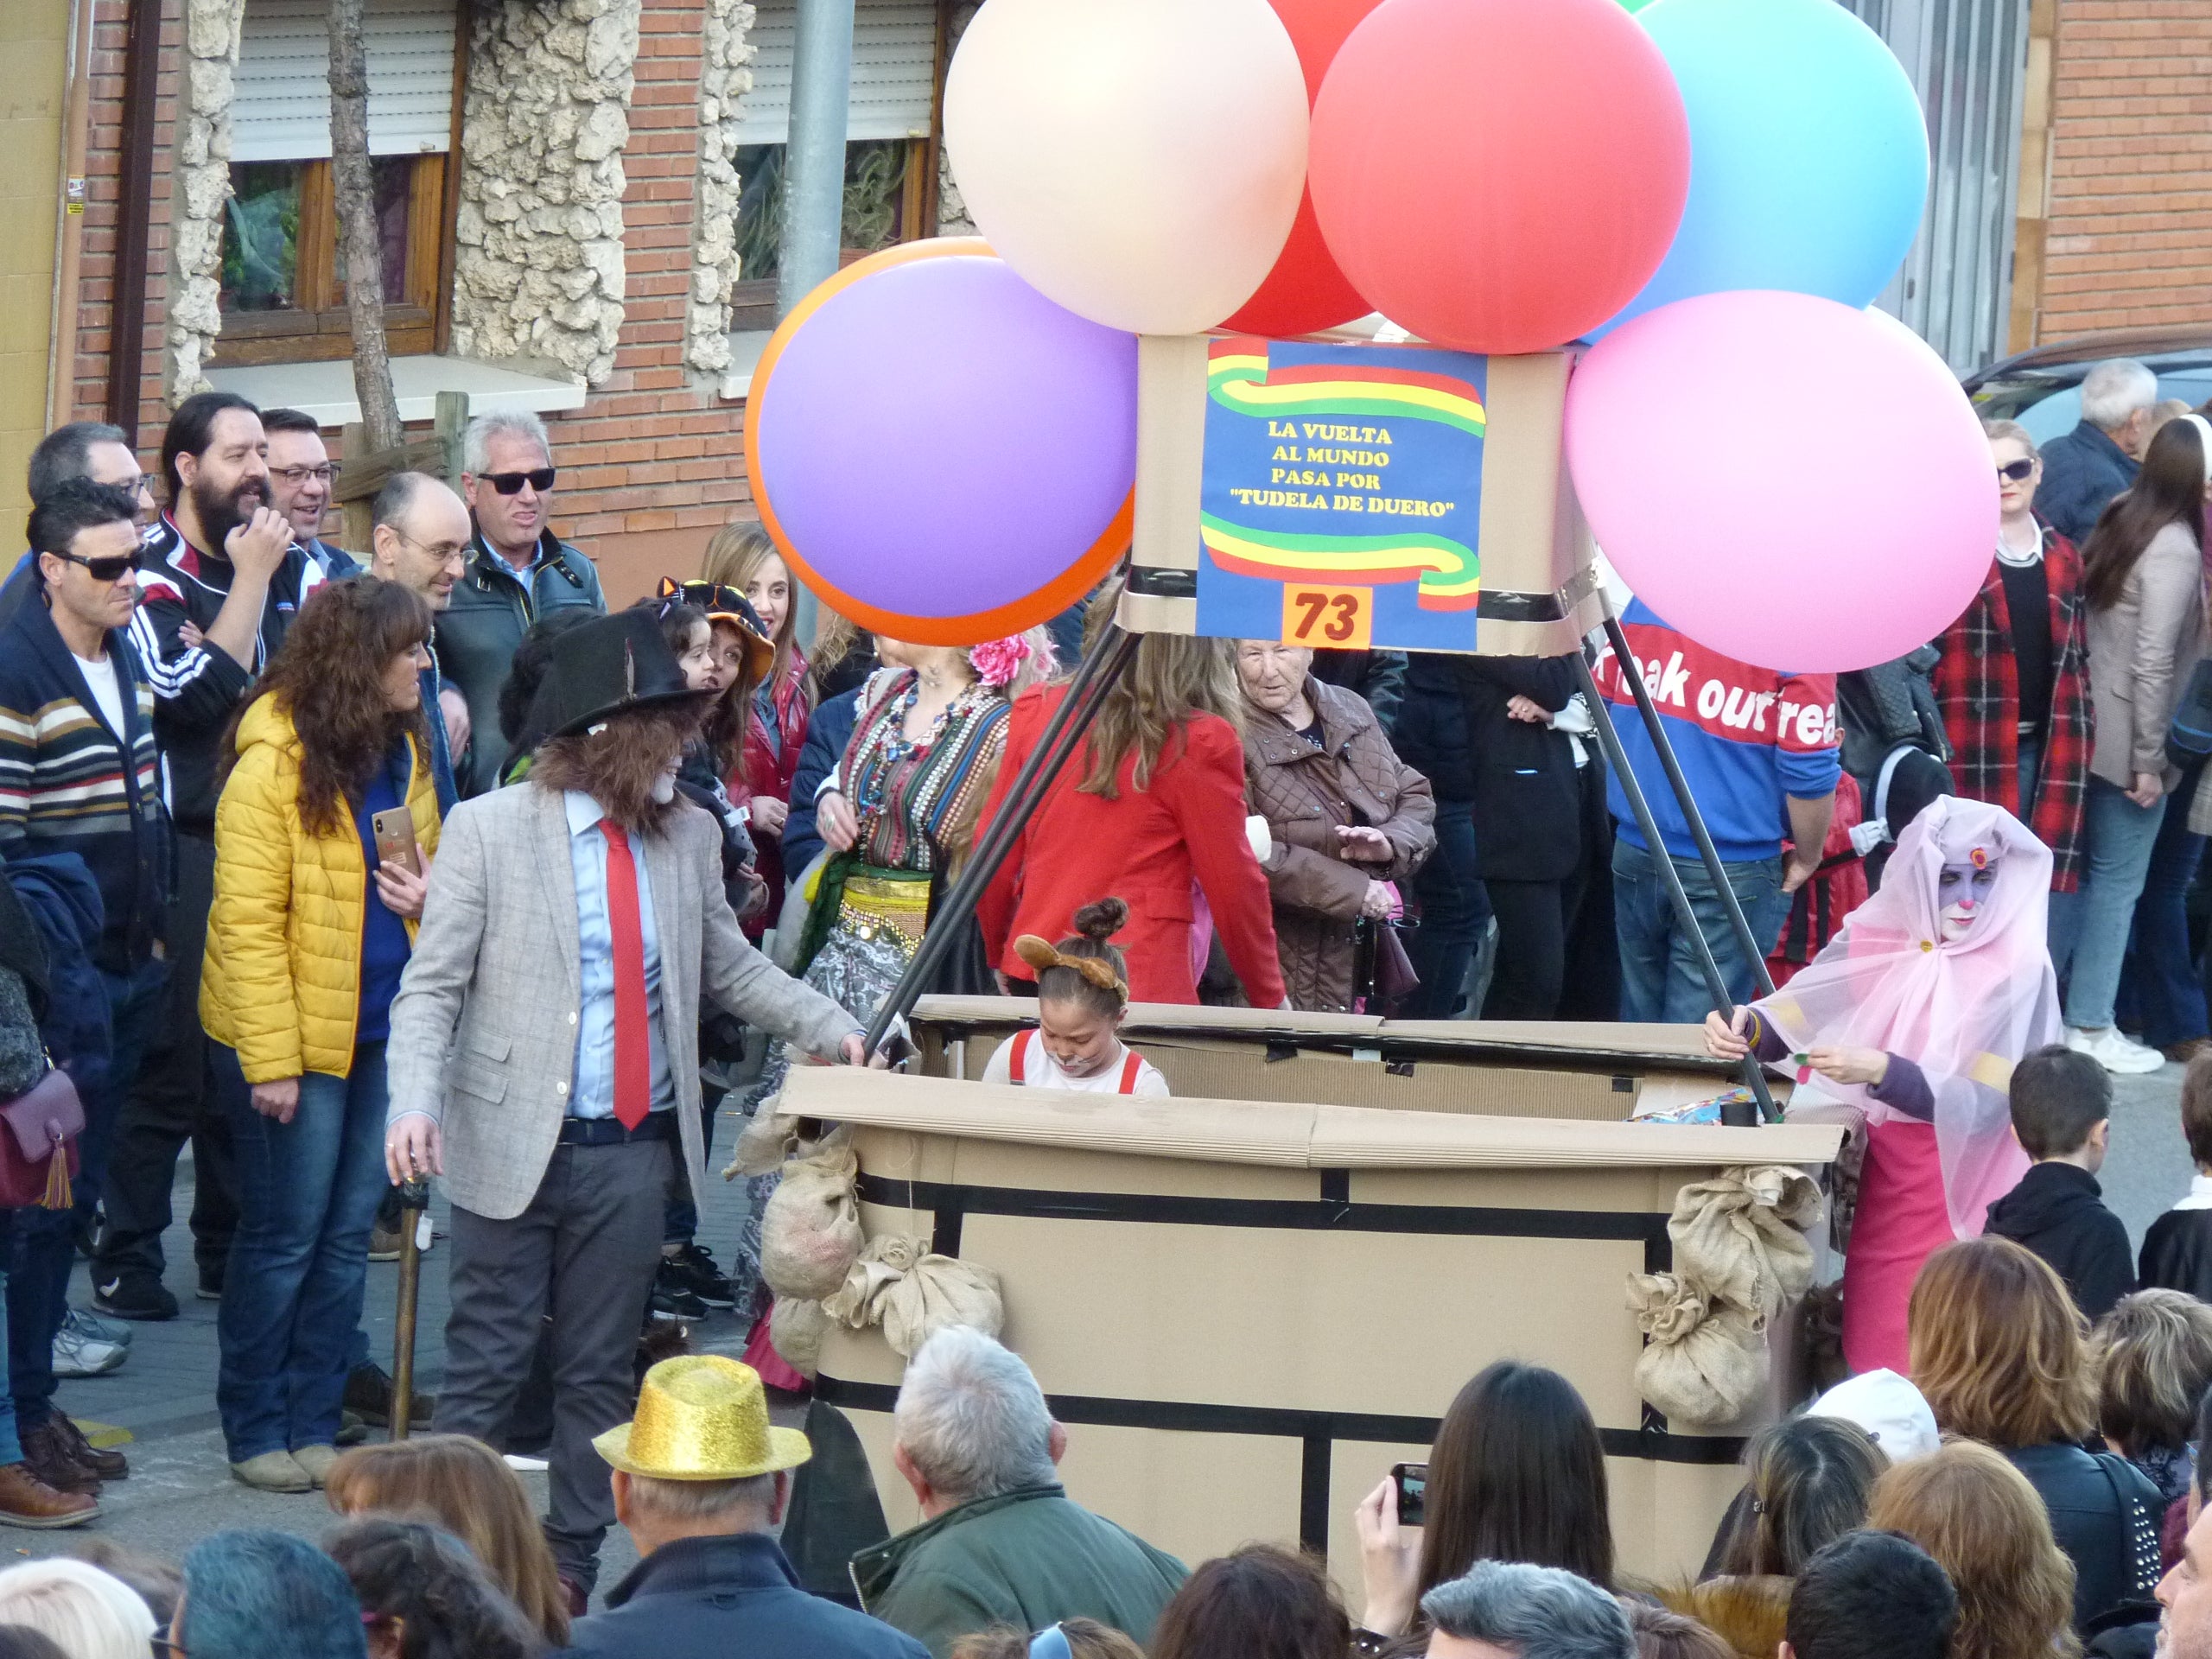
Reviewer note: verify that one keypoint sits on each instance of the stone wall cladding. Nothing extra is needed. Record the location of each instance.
(539, 266)
(2129, 229)
(951, 212)
(724, 79)
(202, 189)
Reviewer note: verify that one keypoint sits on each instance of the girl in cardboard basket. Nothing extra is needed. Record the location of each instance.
(1082, 997)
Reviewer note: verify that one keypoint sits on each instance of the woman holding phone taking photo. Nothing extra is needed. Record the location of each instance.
(323, 834)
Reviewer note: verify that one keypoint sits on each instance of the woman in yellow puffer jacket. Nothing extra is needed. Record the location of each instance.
(310, 931)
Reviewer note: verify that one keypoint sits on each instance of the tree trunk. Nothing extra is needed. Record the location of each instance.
(354, 188)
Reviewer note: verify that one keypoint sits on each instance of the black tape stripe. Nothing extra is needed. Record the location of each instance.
(1159, 582)
(1313, 1493)
(1650, 1445)
(1303, 1215)
(1502, 606)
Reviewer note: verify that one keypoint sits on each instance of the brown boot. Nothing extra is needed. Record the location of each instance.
(108, 1465)
(46, 1454)
(27, 1501)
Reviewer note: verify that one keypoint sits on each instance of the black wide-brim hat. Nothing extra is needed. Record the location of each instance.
(610, 665)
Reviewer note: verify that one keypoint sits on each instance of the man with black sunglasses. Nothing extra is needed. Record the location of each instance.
(79, 775)
(518, 571)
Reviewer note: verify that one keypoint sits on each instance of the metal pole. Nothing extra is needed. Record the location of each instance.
(814, 149)
(1093, 679)
(1706, 849)
(1685, 917)
(414, 1205)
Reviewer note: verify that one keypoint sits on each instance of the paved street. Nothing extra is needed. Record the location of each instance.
(180, 1488)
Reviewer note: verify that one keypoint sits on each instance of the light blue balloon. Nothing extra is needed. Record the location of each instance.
(1808, 153)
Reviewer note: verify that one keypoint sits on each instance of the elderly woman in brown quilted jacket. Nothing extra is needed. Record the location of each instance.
(1346, 819)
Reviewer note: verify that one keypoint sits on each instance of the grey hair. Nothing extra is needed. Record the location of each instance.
(2114, 390)
(65, 452)
(476, 441)
(2020, 435)
(973, 1420)
(702, 1500)
(1536, 1612)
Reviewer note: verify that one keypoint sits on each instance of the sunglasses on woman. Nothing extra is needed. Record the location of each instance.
(539, 478)
(2017, 472)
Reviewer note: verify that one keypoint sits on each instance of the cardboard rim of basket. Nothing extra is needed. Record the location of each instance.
(1283, 1133)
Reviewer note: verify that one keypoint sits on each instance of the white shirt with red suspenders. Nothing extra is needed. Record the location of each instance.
(1024, 1061)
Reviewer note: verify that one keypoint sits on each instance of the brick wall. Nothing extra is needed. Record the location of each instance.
(653, 464)
(2130, 225)
(103, 188)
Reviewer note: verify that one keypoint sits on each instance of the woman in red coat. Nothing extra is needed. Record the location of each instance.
(740, 556)
(1150, 807)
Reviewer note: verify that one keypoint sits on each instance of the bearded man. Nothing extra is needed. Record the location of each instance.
(220, 579)
(544, 1050)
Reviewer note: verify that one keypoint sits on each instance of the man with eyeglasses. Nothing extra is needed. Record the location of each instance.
(90, 450)
(80, 777)
(220, 579)
(300, 474)
(518, 571)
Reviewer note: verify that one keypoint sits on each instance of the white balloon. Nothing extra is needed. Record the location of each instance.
(1140, 162)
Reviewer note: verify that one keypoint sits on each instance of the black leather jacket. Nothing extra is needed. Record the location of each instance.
(2105, 1513)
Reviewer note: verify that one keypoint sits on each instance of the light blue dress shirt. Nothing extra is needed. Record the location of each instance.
(592, 1092)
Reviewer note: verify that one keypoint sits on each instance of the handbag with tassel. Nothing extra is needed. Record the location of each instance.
(38, 1155)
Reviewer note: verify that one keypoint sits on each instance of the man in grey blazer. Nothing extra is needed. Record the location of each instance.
(544, 1050)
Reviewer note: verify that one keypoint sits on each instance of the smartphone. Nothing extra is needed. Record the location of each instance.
(395, 834)
(1412, 1481)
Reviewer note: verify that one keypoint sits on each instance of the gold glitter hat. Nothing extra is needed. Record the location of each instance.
(702, 1417)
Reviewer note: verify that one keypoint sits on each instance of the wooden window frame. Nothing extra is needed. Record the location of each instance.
(318, 329)
(752, 304)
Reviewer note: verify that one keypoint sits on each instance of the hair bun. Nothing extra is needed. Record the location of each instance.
(1102, 920)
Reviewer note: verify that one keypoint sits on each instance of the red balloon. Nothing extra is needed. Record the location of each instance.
(1306, 291)
(1499, 176)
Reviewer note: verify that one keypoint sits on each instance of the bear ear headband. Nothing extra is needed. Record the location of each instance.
(1040, 956)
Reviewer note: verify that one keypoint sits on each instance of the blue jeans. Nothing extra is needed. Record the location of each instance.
(2121, 836)
(2160, 974)
(1454, 909)
(43, 1245)
(1660, 979)
(308, 1196)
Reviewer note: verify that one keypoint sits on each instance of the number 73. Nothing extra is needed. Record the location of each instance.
(1340, 619)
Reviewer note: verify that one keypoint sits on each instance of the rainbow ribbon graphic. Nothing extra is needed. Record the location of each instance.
(1240, 379)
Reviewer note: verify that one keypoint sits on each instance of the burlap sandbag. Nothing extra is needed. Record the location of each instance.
(1740, 1237)
(897, 1284)
(795, 1326)
(810, 1231)
(1705, 1363)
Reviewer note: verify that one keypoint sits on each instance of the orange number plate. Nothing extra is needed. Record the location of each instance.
(1332, 618)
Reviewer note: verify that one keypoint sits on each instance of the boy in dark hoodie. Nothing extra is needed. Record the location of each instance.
(2177, 1249)
(2061, 1110)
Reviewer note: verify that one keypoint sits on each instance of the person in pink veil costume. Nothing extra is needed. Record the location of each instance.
(1916, 1014)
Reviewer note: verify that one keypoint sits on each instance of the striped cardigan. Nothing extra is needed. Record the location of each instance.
(66, 785)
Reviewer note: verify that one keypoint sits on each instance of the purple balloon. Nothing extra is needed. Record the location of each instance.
(939, 439)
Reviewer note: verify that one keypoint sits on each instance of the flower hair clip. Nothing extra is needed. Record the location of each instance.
(997, 661)
(1979, 857)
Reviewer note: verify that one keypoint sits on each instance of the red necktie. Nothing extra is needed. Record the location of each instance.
(634, 1054)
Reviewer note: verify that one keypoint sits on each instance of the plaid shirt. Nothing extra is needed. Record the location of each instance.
(1977, 684)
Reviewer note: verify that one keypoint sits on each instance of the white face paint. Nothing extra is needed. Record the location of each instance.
(1961, 891)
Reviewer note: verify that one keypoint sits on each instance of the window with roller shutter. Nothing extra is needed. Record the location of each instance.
(888, 156)
(284, 277)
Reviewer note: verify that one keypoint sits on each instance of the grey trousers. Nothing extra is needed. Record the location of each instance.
(585, 1251)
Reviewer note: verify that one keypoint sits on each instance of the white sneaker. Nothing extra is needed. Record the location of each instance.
(2113, 1051)
(78, 1355)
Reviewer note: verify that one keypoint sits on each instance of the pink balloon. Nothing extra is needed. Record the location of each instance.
(1799, 485)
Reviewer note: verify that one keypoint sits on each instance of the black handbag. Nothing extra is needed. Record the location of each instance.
(2188, 737)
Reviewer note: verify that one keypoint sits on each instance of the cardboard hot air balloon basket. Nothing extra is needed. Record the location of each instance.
(1247, 1301)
